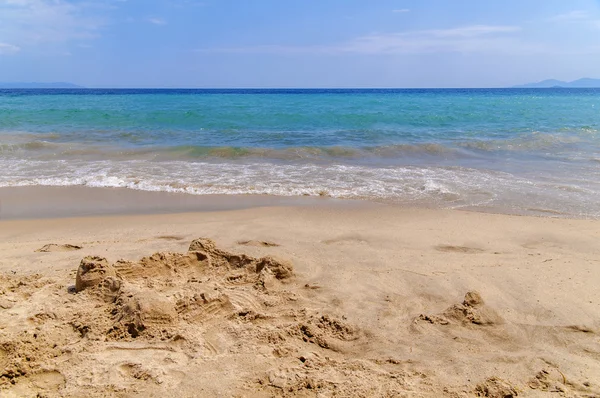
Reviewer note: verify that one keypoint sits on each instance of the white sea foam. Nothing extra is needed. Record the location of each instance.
(451, 187)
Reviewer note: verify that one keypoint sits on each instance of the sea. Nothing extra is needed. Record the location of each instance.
(516, 151)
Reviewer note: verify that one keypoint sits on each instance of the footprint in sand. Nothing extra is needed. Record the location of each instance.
(259, 243)
(162, 237)
(53, 247)
(170, 237)
(458, 249)
(351, 238)
(37, 384)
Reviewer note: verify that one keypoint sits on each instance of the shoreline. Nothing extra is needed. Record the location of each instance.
(41, 202)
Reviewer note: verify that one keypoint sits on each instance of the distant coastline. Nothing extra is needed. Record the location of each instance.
(39, 85)
(553, 83)
(550, 83)
(281, 91)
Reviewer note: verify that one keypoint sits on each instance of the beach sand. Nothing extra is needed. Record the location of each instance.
(319, 298)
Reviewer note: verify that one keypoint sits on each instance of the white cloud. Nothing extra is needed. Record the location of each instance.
(470, 31)
(6, 48)
(157, 21)
(401, 10)
(476, 38)
(583, 18)
(575, 15)
(35, 22)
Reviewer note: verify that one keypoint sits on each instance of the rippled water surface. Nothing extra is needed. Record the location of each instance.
(534, 151)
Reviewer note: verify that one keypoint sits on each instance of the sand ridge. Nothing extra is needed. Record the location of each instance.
(53, 247)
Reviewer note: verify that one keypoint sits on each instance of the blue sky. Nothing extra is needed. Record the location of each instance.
(298, 43)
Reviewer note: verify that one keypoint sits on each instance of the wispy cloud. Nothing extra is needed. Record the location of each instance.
(476, 38)
(575, 15)
(401, 10)
(157, 21)
(33, 22)
(584, 18)
(6, 48)
(469, 31)
(186, 3)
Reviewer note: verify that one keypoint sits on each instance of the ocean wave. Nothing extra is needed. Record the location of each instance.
(531, 142)
(307, 152)
(344, 181)
(458, 151)
(68, 150)
(27, 146)
(451, 187)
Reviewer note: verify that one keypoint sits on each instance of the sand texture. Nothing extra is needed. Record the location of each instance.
(309, 302)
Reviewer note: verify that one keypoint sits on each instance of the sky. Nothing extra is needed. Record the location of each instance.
(298, 43)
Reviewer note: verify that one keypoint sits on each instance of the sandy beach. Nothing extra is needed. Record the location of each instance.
(318, 298)
(326, 199)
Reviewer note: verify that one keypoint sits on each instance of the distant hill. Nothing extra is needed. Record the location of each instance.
(581, 83)
(39, 85)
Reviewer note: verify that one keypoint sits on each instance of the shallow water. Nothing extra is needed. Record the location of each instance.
(524, 151)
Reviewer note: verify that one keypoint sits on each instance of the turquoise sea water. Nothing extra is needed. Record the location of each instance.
(532, 151)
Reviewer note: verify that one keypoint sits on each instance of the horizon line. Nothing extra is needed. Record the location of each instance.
(281, 88)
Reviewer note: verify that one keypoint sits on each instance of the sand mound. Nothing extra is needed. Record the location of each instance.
(472, 311)
(144, 312)
(91, 272)
(138, 325)
(495, 388)
(322, 330)
(157, 295)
